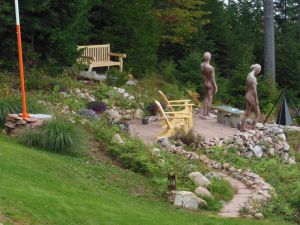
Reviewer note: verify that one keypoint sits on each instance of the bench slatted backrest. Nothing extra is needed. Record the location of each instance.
(100, 52)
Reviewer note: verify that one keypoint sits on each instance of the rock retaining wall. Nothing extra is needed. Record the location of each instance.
(267, 141)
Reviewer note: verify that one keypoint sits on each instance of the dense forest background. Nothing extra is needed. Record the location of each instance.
(165, 37)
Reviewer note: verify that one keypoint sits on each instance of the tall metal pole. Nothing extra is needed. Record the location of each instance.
(22, 79)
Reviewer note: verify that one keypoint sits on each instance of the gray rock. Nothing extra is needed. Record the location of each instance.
(203, 192)
(258, 216)
(291, 161)
(258, 152)
(117, 139)
(114, 115)
(281, 137)
(226, 166)
(278, 131)
(212, 175)
(199, 179)
(187, 200)
(271, 151)
(260, 126)
(139, 114)
(164, 141)
(286, 147)
(131, 82)
(286, 157)
(155, 152)
(249, 154)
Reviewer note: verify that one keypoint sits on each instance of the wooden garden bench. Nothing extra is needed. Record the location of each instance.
(99, 56)
(172, 121)
(185, 106)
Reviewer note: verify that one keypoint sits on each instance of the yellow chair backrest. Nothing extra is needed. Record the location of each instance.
(162, 113)
(165, 100)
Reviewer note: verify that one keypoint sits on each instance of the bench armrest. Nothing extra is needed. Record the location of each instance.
(120, 55)
(180, 101)
(181, 105)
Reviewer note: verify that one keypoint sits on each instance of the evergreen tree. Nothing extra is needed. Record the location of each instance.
(51, 30)
(182, 21)
(130, 27)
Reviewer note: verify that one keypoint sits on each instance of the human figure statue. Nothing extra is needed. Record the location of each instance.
(251, 99)
(210, 85)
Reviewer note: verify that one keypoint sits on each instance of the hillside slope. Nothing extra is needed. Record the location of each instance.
(38, 187)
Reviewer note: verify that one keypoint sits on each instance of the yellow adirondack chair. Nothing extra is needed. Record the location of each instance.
(100, 56)
(185, 106)
(172, 121)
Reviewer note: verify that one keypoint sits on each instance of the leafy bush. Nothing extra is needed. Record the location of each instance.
(168, 70)
(189, 138)
(102, 92)
(57, 136)
(13, 104)
(116, 78)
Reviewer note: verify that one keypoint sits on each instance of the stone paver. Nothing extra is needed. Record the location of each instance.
(232, 208)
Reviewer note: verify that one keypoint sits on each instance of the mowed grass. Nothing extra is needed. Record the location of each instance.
(38, 187)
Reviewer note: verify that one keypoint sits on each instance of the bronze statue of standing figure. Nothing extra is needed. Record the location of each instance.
(210, 86)
(251, 99)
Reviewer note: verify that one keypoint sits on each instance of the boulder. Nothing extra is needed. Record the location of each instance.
(199, 179)
(139, 114)
(281, 137)
(117, 139)
(155, 152)
(226, 166)
(203, 192)
(258, 151)
(187, 200)
(212, 175)
(258, 216)
(114, 115)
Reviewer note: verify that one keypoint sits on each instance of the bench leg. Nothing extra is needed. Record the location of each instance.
(121, 65)
(90, 68)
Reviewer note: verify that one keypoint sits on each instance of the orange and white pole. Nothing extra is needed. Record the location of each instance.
(24, 110)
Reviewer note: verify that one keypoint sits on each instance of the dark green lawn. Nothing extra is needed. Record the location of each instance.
(38, 187)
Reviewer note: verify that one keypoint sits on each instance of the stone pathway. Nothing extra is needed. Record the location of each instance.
(209, 128)
(232, 208)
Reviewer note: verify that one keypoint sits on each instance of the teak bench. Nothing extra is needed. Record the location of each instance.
(100, 56)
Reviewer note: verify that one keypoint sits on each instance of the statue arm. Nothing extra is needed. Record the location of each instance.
(255, 90)
(214, 80)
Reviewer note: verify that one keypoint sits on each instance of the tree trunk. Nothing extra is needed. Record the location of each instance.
(269, 40)
(299, 20)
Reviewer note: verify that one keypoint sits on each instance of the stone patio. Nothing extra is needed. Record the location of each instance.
(206, 127)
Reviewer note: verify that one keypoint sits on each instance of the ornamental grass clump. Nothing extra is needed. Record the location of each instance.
(58, 136)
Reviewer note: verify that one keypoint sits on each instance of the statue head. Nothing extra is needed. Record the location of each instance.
(207, 56)
(256, 68)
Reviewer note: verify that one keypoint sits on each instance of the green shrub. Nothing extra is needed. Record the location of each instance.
(167, 69)
(58, 136)
(116, 78)
(13, 104)
(191, 137)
